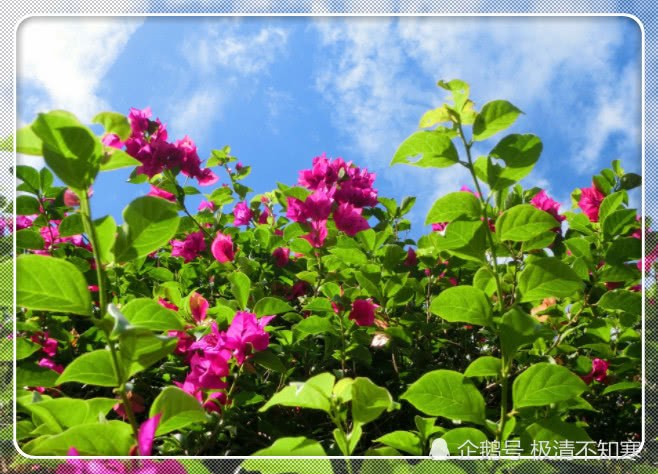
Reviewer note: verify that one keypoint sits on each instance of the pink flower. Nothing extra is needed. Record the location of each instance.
(318, 233)
(161, 193)
(348, 219)
(207, 206)
(184, 341)
(189, 248)
(50, 364)
(264, 216)
(296, 210)
(198, 307)
(281, 256)
(411, 260)
(146, 435)
(318, 205)
(590, 202)
(363, 312)
(139, 119)
(206, 177)
(242, 214)
(48, 344)
(439, 226)
(136, 403)
(466, 189)
(300, 288)
(70, 198)
(598, 373)
(112, 140)
(245, 333)
(222, 248)
(23, 222)
(167, 304)
(545, 203)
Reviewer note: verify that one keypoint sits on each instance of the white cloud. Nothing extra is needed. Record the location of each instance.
(199, 109)
(221, 46)
(67, 57)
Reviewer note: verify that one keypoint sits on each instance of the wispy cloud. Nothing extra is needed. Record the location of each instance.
(63, 60)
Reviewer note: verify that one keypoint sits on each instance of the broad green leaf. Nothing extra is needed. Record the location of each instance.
(448, 394)
(617, 222)
(150, 223)
(25, 348)
(624, 249)
(520, 153)
(29, 239)
(622, 386)
(517, 328)
(51, 284)
(494, 117)
(139, 349)
(28, 143)
(93, 368)
(553, 430)
(31, 375)
(621, 300)
(611, 203)
(351, 256)
(314, 393)
(115, 159)
(146, 313)
(299, 446)
(71, 225)
(368, 400)
(460, 91)
(459, 440)
(240, 287)
(485, 366)
(347, 442)
(453, 206)
(269, 360)
(485, 280)
(579, 248)
(313, 326)
(269, 306)
(70, 149)
(106, 234)
(548, 277)
(463, 304)
(545, 383)
(69, 412)
(405, 441)
(436, 150)
(434, 117)
(112, 438)
(524, 222)
(465, 239)
(178, 410)
(25, 205)
(115, 123)
(29, 176)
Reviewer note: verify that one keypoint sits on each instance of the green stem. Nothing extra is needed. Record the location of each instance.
(342, 340)
(90, 229)
(503, 398)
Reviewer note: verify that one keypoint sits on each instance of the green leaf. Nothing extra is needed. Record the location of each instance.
(240, 287)
(621, 300)
(350, 256)
(347, 442)
(579, 248)
(31, 375)
(50, 284)
(405, 441)
(611, 203)
(146, 313)
(624, 249)
(299, 446)
(269, 360)
(69, 412)
(520, 153)
(436, 150)
(29, 239)
(548, 277)
(524, 222)
(26, 205)
(313, 326)
(453, 206)
(71, 225)
(314, 393)
(460, 91)
(270, 306)
(25, 348)
(465, 239)
(139, 349)
(456, 438)
(618, 222)
(178, 410)
(93, 368)
(545, 383)
(116, 159)
(485, 280)
(115, 123)
(448, 394)
(485, 366)
(29, 176)
(517, 328)
(463, 304)
(150, 223)
(70, 149)
(368, 400)
(553, 430)
(434, 116)
(622, 386)
(28, 143)
(106, 234)
(494, 117)
(112, 438)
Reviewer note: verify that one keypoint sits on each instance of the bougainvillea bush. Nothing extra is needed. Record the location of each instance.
(304, 320)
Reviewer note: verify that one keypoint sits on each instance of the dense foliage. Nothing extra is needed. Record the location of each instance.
(304, 321)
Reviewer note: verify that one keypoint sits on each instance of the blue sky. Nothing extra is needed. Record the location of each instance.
(281, 90)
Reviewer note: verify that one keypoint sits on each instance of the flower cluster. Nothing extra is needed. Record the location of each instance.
(148, 144)
(337, 187)
(590, 202)
(213, 353)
